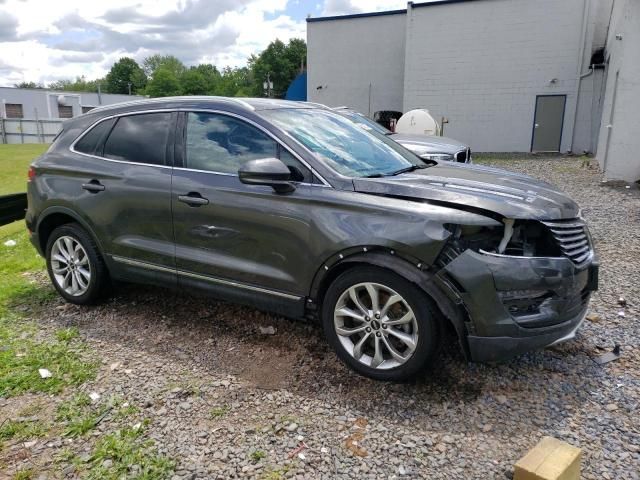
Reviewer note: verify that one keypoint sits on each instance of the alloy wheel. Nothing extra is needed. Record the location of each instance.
(70, 266)
(376, 325)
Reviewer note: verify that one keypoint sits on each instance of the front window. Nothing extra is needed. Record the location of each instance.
(221, 144)
(347, 148)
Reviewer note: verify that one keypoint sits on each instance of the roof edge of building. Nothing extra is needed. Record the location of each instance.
(356, 15)
(386, 12)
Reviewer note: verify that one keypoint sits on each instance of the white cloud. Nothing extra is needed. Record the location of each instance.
(345, 7)
(44, 40)
(47, 40)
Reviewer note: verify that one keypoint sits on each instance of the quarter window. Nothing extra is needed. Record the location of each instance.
(221, 144)
(139, 138)
(93, 138)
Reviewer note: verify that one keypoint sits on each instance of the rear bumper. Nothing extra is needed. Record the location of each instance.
(517, 304)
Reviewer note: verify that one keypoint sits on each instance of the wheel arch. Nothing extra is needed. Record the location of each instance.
(405, 266)
(53, 217)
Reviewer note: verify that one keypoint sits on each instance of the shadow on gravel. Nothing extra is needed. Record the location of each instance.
(544, 388)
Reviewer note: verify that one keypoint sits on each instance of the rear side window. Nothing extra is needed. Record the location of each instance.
(92, 140)
(139, 138)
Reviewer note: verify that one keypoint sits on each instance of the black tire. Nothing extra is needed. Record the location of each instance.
(425, 313)
(98, 286)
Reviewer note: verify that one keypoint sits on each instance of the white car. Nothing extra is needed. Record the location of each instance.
(428, 147)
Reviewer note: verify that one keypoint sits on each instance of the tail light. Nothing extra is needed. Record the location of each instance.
(31, 174)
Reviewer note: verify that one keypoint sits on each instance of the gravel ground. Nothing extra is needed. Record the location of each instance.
(226, 401)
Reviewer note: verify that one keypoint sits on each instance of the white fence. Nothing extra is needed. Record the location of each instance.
(18, 130)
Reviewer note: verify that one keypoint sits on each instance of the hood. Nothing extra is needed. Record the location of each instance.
(421, 144)
(495, 191)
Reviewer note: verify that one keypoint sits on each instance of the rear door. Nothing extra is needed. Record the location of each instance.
(127, 192)
(233, 236)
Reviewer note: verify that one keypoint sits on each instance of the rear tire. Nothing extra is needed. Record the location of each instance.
(380, 324)
(76, 267)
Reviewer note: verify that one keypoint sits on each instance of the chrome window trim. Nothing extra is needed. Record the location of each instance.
(230, 283)
(220, 112)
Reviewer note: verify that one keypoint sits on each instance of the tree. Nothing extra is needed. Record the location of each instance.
(163, 84)
(193, 82)
(124, 72)
(32, 85)
(151, 64)
(211, 76)
(235, 82)
(280, 62)
(80, 84)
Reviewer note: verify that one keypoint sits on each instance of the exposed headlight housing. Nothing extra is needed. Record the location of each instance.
(520, 238)
(447, 157)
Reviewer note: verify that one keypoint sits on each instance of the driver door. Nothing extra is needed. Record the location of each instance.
(245, 241)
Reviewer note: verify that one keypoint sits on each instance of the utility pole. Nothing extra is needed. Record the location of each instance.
(268, 85)
(129, 85)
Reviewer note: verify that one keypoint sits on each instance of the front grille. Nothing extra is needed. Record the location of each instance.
(572, 238)
(462, 156)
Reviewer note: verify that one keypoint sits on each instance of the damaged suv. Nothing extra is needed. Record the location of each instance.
(294, 209)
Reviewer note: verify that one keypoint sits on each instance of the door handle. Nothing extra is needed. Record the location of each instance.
(94, 186)
(193, 199)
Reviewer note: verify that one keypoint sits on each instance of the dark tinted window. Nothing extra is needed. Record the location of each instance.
(94, 137)
(218, 143)
(139, 138)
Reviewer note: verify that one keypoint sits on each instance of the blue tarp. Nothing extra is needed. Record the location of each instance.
(298, 88)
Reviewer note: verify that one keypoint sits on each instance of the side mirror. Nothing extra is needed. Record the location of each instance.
(267, 171)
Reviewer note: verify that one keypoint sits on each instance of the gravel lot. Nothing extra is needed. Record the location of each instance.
(226, 401)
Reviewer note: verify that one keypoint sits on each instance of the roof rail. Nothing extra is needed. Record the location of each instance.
(146, 101)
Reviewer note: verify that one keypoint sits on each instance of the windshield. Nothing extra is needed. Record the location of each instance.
(363, 121)
(347, 148)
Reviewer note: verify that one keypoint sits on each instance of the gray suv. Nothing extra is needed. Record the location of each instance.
(294, 209)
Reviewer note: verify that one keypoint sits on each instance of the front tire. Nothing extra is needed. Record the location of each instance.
(75, 265)
(380, 324)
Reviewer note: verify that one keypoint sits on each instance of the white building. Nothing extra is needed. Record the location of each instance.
(619, 139)
(32, 104)
(36, 115)
(509, 75)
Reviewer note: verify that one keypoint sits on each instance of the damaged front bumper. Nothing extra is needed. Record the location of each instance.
(517, 304)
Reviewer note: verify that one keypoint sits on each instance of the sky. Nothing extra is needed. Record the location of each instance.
(47, 40)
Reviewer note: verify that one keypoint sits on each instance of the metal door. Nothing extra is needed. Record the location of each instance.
(547, 123)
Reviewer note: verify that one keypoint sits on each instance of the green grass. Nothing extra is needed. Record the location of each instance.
(79, 416)
(21, 430)
(257, 455)
(26, 474)
(23, 353)
(14, 164)
(131, 456)
(22, 356)
(219, 412)
(24, 348)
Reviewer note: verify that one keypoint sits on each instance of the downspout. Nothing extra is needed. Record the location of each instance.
(583, 40)
(610, 125)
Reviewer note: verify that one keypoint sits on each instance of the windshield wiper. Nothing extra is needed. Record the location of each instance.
(374, 175)
(408, 169)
